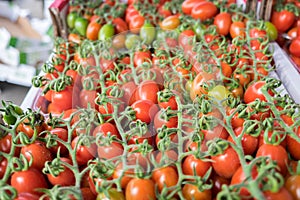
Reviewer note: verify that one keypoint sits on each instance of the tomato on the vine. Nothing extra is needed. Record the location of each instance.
(140, 189)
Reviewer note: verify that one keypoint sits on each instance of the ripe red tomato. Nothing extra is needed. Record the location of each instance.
(140, 57)
(126, 175)
(145, 110)
(159, 121)
(254, 91)
(276, 153)
(249, 142)
(110, 151)
(147, 90)
(283, 20)
(105, 129)
(39, 154)
(226, 163)
(27, 196)
(191, 192)
(294, 47)
(28, 181)
(136, 23)
(84, 153)
(63, 99)
(3, 166)
(120, 25)
(65, 177)
(87, 98)
(165, 177)
(185, 38)
(197, 88)
(129, 89)
(192, 164)
(63, 135)
(223, 22)
(204, 10)
(293, 146)
(281, 194)
(188, 5)
(237, 29)
(143, 189)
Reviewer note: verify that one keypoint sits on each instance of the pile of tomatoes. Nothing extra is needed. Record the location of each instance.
(154, 100)
(285, 18)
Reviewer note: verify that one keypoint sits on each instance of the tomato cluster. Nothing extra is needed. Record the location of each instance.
(285, 18)
(182, 111)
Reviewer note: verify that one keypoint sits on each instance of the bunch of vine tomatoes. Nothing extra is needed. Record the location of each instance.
(154, 100)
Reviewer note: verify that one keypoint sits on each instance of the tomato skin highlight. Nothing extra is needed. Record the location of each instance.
(143, 189)
(223, 22)
(204, 10)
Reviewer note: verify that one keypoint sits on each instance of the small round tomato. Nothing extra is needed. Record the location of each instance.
(120, 25)
(254, 91)
(71, 17)
(28, 181)
(145, 110)
(283, 20)
(226, 163)
(110, 151)
(27, 196)
(192, 165)
(140, 189)
(119, 171)
(165, 177)
(276, 153)
(197, 88)
(191, 192)
(62, 134)
(3, 166)
(237, 29)
(294, 47)
(147, 33)
(132, 40)
(188, 5)
(140, 57)
(204, 10)
(281, 194)
(159, 121)
(65, 177)
(84, 153)
(271, 31)
(223, 22)
(63, 99)
(136, 24)
(39, 154)
(87, 98)
(147, 90)
(293, 146)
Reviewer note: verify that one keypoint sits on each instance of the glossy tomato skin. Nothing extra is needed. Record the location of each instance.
(237, 29)
(145, 110)
(39, 154)
(3, 166)
(292, 184)
(159, 121)
(293, 146)
(23, 181)
(140, 57)
(165, 177)
(276, 153)
(170, 23)
(63, 135)
(84, 153)
(191, 192)
(283, 20)
(92, 30)
(188, 5)
(142, 189)
(63, 99)
(147, 90)
(204, 10)
(294, 47)
(281, 194)
(27, 196)
(65, 177)
(119, 171)
(191, 164)
(254, 91)
(110, 151)
(120, 25)
(223, 21)
(227, 163)
(87, 98)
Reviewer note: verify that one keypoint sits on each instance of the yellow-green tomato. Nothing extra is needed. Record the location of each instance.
(219, 92)
(132, 40)
(113, 194)
(271, 31)
(81, 25)
(147, 33)
(106, 32)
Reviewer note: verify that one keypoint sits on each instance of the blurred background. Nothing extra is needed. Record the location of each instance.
(25, 43)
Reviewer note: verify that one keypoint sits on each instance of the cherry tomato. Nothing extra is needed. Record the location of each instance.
(145, 110)
(281, 194)
(293, 145)
(143, 189)
(191, 192)
(294, 47)
(170, 23)
(87, 98)
(223, 23)
(27, 196)
(39, 154)
(204, 10)
(292, 184)
(147, 33)
(63, 99)
(92, 30)
(120, 25)
(65, 177)
(147, 90)
(226, 163)
(283, 20)
(81, 25)
(71, 17)
(136, 23)
(3, 166)
(237, 29)
(276, 153)
(84, 153)
(106, 32)
(254, 91)
(28, 181)
(188, 5)
(165, 177)
(192, 165)
(159, 121)
(197, 88)
(62, 134)
(271, 31)
(126, 175)
(140, 57)
(110, 151)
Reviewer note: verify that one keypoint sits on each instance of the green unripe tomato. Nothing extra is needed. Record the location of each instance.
(131, 41)
(81, 25)
(147, 33)
(106, 32)
(71, 19)
(271, 31)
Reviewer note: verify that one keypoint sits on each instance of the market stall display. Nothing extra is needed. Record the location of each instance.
(155, 100)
